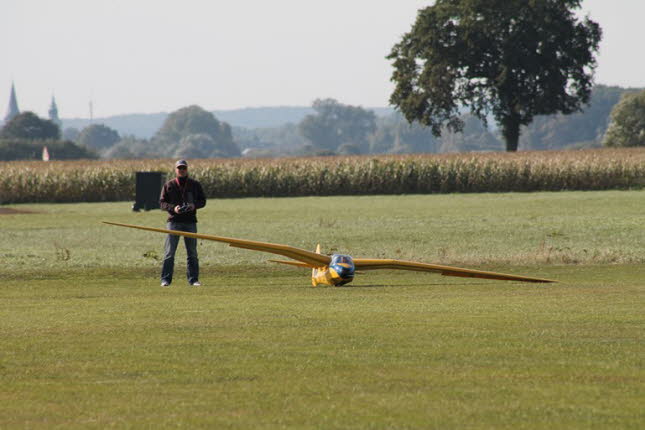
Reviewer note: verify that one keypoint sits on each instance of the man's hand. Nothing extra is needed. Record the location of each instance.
(191, 207)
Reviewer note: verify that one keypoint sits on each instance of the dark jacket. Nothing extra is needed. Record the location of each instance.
(180, 191)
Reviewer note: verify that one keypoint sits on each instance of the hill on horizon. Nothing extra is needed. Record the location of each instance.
(145, 125)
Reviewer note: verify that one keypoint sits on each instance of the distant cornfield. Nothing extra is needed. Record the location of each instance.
(91, 181)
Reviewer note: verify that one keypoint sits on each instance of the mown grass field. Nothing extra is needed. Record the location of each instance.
(90, 340)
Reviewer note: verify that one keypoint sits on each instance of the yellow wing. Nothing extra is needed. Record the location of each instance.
(309, 257)
(295, 263)
(373, 264)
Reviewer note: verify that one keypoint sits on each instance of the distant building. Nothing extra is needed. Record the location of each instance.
(13, 110)
(53, 114)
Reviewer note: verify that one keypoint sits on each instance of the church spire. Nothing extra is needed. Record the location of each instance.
(53, 113)
(12, 111)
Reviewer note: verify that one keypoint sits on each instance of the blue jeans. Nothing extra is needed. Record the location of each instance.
(192, 262)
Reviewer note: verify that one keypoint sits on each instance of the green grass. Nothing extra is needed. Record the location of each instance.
(90, 340)
(479, 229)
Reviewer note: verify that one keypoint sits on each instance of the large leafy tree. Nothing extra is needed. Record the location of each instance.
(627, 126)
(513, 59)
(29, 126)
(335, 124)
(193, 120)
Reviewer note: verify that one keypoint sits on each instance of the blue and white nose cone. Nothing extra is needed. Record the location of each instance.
(342, 269)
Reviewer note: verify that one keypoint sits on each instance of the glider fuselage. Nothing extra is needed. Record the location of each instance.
(340, 271)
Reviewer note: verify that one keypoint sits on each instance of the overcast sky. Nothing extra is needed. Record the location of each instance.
(135, 56)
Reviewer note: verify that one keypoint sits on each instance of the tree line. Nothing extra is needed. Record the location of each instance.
(614, 117)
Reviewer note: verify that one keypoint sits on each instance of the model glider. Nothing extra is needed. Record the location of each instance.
(337, 269)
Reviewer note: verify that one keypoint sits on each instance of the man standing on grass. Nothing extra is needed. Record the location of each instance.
(181, 197)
